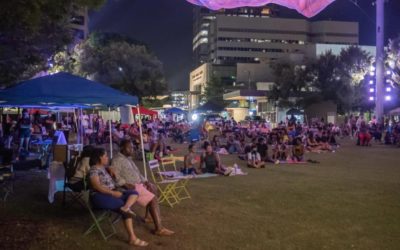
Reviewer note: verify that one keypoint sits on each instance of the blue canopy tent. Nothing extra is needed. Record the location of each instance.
(177, 111)
(65, 90)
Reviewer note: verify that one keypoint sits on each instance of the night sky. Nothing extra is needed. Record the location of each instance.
(166, 26)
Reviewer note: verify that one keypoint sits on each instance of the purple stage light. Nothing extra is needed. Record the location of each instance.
(388, 98)
(308, 8)
(388, 89)
(371, 98)
(371, 90)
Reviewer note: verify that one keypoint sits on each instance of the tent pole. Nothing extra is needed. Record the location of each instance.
(141, 142)
(109, 125)
(77, 126)
(81, 127)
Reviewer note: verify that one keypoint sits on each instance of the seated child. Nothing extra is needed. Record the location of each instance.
(254, 158)
(190, 161)
(298, 151)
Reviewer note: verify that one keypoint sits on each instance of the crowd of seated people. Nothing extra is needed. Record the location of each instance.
(288, 142)
(392, 133)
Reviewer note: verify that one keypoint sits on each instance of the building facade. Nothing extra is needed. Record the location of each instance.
(79, 24)
(204, 22)
(229, 40)
(180, 99)
(239, 46)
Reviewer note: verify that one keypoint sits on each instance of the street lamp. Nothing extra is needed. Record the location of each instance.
(248, 78)
(380, 57)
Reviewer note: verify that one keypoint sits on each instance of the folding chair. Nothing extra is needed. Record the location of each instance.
(74, 188)
(168, 161)
(181, 190)
(104, 216)
(165, 187)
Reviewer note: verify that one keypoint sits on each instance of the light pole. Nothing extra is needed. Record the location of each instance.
(380, 51)
(249, 79)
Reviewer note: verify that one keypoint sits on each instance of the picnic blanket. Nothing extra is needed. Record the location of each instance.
(293, 162)
(206, 175)
(180, 175)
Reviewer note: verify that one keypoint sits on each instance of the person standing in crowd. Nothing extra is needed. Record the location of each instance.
(25, 126)
(8, 131)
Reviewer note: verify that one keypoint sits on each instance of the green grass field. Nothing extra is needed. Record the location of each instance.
(351, 200)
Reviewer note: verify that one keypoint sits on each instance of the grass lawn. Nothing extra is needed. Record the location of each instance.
(351, 200)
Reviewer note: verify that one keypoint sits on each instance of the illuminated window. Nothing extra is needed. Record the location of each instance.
(266, 11)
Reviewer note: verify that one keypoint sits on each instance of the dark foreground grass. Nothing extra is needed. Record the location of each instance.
(349, 201)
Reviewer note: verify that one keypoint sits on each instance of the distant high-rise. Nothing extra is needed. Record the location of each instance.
(239, 46)
(248, 35)
(79, 24)
(203, 32)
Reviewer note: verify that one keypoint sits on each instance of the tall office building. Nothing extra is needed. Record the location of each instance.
(79, 24)
(249, 37)
(239, 45)
(203, 25)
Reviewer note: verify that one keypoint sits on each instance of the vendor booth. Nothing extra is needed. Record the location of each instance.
(66, 91)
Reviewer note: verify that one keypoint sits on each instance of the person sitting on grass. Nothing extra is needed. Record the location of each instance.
(216, 143)
(312, 144)
(254, 158)
(364, 136)
(127, 175)
(262, 149)
(211, 161)
(324, 142)
(298, 151)
(190, 161)
(106, 196)
(280, 151)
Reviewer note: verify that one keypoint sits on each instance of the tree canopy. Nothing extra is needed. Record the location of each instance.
(394, 59)
(336, 78)
(116, 60)
(31, 31)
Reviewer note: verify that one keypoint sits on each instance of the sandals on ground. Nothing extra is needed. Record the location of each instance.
(164, 232)
(139, 243)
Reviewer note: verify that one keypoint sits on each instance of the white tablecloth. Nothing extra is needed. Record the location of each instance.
(55, 174)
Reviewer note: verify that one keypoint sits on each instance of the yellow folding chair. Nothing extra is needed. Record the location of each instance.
(165, 187)
(181, 190)
(168, 161)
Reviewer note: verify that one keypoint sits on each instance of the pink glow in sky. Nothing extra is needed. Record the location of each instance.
(308, 8)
